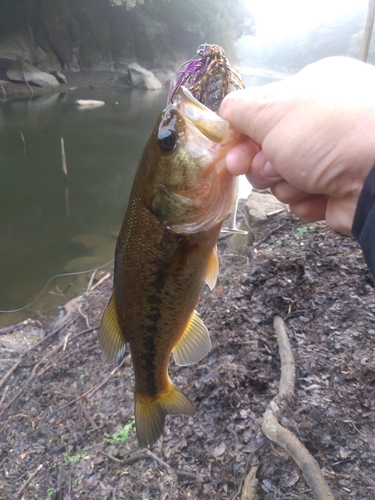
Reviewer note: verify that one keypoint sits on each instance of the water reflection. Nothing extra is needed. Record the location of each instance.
(39, 237)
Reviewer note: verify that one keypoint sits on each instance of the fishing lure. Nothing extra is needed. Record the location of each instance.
(209, 77)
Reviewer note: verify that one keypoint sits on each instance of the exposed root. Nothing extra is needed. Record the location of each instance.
(249, 490)
(283, 437)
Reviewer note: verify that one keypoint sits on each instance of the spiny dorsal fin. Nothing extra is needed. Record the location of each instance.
(212, 270)
(111, 338)
(150, 413)
(194, 344)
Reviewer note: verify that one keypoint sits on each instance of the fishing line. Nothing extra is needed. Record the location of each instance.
(50, 280)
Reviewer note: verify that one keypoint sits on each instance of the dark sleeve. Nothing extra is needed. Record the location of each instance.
(364, 221)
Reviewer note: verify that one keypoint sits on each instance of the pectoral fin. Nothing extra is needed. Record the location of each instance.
(212, 270)
(194, 344)
(111, 338)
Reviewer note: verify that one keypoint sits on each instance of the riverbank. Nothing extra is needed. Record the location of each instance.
(75, 80)
(63, 404)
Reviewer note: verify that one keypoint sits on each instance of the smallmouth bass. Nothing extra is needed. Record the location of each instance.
(165, 251)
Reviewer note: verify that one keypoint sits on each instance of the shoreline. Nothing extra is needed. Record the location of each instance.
(75, 80)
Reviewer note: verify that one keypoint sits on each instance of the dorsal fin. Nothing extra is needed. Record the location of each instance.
(212, 270)
(111, 337)
(194, 344)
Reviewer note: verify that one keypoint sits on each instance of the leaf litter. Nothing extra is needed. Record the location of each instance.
(63, 402)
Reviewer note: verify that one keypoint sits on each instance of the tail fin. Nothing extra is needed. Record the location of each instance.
(150, 413)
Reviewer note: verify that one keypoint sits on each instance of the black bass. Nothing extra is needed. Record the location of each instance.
(165, 251)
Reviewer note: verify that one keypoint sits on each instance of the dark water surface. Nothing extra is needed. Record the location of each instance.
(45, 228)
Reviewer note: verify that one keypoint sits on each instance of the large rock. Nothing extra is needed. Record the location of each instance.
(22, 71)
(142, 78)
(260, 206)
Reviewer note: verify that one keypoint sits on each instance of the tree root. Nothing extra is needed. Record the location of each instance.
(249, 490)
(283, 437)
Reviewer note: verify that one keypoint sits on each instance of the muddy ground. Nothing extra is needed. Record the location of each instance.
(63, 403)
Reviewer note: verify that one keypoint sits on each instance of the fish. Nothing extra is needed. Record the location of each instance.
(166, 250)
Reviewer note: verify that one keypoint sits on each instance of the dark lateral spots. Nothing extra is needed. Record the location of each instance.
(154, 300)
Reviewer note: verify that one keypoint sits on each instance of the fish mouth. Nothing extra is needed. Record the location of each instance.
(206, 121)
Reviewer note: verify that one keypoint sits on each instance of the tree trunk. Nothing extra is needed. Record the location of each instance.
(368, 31)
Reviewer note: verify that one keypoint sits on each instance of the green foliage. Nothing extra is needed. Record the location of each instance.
(72, 459)
(122, 435)
(152, 31)
(301, 231)
(183, 25)
(49, 493)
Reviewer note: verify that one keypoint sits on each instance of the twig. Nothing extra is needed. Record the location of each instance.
(283, 437)
(144, 456)
(3, 396)
(274, 230)
(100, 281)
(84, 316)
(91, 281)
(160, 461)
(21, 324)
(92, 391)
(125, 461)
(33, 373)
(2, 88)
(63, 160)
(9, 372)
(27, 383)
(249, 490)
(23, 139)
(19, 492)
(87, 415)
(24, 79)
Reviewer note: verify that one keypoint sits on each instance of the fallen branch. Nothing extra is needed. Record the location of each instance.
(283, 437)
(149, 454)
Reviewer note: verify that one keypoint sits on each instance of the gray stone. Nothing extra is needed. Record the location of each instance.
(22, 71)
(142, 78)
(260, 206)
(59, 76)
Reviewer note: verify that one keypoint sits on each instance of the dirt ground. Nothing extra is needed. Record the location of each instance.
(62, 405)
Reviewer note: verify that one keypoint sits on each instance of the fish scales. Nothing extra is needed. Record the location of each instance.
(165, 251)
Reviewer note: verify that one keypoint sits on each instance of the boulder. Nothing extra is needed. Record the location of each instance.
(20, 71)
(59, 76)
(260, 206)
(142, 78)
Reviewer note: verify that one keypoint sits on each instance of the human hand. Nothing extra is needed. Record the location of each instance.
(310, 138)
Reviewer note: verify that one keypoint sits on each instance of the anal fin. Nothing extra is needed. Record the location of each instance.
(194, 344)
(111, 337)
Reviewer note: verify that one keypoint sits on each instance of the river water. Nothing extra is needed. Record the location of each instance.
(48, 227)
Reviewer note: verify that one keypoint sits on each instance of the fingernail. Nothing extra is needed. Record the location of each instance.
(269, 171)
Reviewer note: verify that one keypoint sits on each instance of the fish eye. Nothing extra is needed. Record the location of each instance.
(167, 143)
